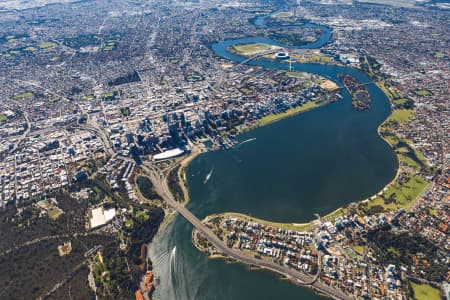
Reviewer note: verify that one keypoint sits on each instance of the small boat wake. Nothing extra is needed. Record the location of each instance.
(208, 176)
(173, 268)
(246, 141)
(172, 257)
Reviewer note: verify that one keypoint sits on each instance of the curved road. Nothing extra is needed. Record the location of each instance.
(258, 55)
(160, 183)
(24, 135)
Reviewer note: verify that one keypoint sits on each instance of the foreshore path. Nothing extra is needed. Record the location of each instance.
(160, 183)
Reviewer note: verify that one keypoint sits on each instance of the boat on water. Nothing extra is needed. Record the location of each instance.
(208, 176)
(246, 141)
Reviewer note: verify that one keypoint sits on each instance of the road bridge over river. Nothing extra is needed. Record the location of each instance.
(159, 180)
(259, 54)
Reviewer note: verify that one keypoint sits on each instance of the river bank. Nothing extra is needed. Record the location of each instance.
(195, 152)
(224, 227)
(407, 166)
(202, 244)
(187, 163)
(324, 159)
(183, 163)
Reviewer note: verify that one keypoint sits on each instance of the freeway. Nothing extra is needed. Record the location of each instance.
(109, 149)
(24, 135)
(160, 183)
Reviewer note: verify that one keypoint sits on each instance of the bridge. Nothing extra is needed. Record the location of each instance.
(259, 54)
(159, 180)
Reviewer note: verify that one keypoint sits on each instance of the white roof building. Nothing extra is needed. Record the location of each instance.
(168, 154)
(99, 216)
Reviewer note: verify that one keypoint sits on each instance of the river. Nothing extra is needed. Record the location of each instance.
(311, 163)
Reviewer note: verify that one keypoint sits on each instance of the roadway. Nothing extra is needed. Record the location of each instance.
(24, 135)
(258, 55)
(160, 183)
(107, 145)
(159, 180)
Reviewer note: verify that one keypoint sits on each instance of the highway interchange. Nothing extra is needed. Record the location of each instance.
(159, 180)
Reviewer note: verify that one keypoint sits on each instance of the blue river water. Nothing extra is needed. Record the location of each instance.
(311, 163)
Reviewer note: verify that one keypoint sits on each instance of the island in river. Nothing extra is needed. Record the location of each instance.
(326, 158)
(360, 96)
(234, 184)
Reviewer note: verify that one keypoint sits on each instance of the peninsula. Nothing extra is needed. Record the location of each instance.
(125, 125)
(360, 96)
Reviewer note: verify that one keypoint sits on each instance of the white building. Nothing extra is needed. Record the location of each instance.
(99, 216)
